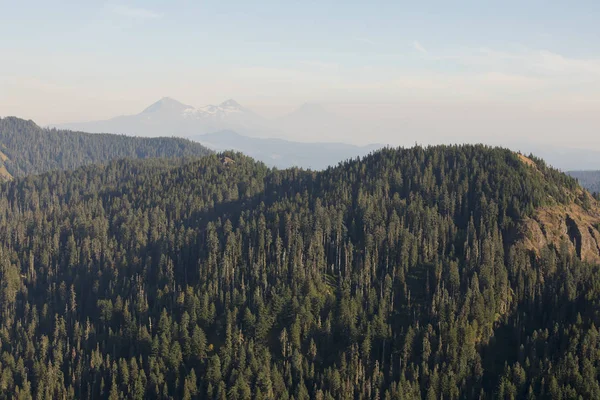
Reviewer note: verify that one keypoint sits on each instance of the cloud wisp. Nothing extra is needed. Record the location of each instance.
(419, 47)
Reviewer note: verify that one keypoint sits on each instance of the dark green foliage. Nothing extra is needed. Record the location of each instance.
(33, 150)
(391, 277)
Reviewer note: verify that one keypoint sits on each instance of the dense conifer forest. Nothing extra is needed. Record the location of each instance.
(397, 276)
(26, 149)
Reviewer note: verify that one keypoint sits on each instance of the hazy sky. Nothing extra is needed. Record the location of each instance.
(440, 71)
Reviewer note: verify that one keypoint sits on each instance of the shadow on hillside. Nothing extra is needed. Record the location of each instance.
(514, 341)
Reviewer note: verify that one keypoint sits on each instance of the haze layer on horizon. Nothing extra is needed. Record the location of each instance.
(403, 72)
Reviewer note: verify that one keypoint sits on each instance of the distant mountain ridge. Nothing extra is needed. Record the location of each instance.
(165, 104)
(168, 105)
(562, 157)
(26, 148)
(588, 179)
(230, 126)
(309, 123)
(282, 153)
(169, 117)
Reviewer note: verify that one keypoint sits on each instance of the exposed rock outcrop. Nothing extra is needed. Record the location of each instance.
(554, 225)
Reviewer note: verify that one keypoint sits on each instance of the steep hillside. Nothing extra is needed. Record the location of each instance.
(571, 225)
(407, 274)
(25, 148)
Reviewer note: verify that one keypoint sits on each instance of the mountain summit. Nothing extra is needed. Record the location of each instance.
(170, 105)
(209, 124)
(165, 104)
(231, 104)
(168, 117)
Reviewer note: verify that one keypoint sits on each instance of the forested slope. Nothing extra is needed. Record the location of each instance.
(404, 275)
(26, 149)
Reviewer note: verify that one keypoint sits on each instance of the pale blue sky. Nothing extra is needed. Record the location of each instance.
(526, 61)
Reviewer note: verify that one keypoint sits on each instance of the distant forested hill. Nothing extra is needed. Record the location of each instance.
(25, 148)
(588, 179)
(449, 272)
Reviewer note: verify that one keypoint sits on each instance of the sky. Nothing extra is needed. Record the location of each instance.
(406, 71)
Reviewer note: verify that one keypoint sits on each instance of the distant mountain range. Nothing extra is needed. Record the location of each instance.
(284, 153)
(588, 179)
(561, 157)
(230, 126)
(169, 117)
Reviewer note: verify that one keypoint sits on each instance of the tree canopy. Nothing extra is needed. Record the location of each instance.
(395, 276)
(27, 149)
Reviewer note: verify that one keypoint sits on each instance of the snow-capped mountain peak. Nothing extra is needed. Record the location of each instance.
(166, 104)
(216, 111)
(168, 116)
(231, 104)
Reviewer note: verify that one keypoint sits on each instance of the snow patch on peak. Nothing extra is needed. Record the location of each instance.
(222, 110)
(190, 112)
(170, 107)
(230, 104)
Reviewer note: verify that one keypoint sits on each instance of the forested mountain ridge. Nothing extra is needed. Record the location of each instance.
(396, 276)
(25, 148)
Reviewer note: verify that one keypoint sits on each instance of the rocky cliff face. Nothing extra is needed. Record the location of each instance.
(575, 225)
(560, 225)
